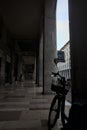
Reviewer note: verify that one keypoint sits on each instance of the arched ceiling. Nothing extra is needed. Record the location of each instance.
(22, 17)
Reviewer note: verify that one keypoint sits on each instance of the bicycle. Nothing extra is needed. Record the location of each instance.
(57, 107)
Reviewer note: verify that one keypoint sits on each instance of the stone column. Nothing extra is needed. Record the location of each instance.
(3, 69)
(12, 68)
(78, 38)
(37, 65)
(19, 64)
(41, 62)
(49, 42)
(34, 74)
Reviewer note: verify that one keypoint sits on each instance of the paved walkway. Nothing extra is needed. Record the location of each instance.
(24, 108)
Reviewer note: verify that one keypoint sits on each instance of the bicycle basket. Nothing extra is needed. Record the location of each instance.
(55, 80)
(57, 88)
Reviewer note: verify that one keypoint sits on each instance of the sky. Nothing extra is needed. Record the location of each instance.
(62, 23)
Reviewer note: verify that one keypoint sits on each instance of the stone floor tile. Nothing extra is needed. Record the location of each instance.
(22, 124)
(32, 115)
(9, 115)
(2, 123)
(15, 103)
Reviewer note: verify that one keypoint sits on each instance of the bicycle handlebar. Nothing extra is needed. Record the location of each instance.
(55, 74)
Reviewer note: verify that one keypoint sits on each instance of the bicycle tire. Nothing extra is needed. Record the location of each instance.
(51, 121)
(64, 118)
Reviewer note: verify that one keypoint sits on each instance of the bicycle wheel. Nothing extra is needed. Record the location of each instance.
(64, 116)
(54, 112)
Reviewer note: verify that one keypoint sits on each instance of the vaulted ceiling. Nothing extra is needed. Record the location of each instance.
(22, 17)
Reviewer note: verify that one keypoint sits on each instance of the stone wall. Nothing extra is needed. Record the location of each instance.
(50, 47)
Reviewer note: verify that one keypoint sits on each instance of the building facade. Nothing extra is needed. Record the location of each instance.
(65, 67)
